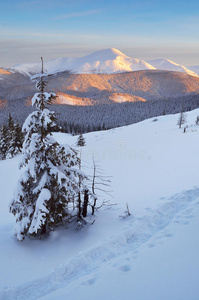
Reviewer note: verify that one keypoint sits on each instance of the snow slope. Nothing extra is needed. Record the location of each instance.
(104, 61)
(166, 64)
(194, 69)
(152, 254)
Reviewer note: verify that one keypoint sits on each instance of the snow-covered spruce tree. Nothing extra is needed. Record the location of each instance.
(3, 142)
(81, 141)
(15, 141)
(50, 177)
(10, 127)
(11, 139)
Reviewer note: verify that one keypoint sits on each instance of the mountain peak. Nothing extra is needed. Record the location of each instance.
(169, 65)
(106, 54)
(106, 61)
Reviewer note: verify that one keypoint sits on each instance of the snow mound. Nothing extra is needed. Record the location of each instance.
(168, 65)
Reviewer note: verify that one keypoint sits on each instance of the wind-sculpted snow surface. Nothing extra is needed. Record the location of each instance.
(140, 231)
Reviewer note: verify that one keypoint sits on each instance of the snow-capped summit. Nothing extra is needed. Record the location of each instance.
(104, 61)
(105, 54)
(166, 64)
(111, 60)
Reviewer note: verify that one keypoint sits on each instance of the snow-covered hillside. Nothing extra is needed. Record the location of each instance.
(166, 64)
(194, 69)
(152, 254)
(103, 61)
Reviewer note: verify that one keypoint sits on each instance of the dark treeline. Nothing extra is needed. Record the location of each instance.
(82, 119)
(11, 139)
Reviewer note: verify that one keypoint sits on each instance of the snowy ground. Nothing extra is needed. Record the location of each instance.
(152, 254)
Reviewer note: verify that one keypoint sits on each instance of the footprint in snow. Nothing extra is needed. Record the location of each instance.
(182, 221)
(187, 212)
(177, 222)
(189, 217)
(124, 268)
(148, 208)
(89, 282)
(168, 235)
(185, 223)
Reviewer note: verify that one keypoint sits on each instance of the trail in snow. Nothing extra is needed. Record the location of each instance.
(139, 232)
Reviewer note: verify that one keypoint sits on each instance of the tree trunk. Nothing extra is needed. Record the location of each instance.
(79, 205)
(85, 206)
(43, 229)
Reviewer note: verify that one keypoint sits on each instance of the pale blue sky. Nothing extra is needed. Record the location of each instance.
(144, 29)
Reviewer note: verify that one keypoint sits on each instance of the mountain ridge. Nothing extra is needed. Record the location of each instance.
(105, 61)
(169, 65)
(194, 69)
(91, 89)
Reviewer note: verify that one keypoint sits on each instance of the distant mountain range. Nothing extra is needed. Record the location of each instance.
(166, 64)
(17, 87)
(105, 61)
(91, 89)
(104, 77)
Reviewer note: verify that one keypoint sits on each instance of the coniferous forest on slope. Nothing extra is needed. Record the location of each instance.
(81, 119)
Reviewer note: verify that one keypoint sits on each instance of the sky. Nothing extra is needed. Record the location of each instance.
(144, 29)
